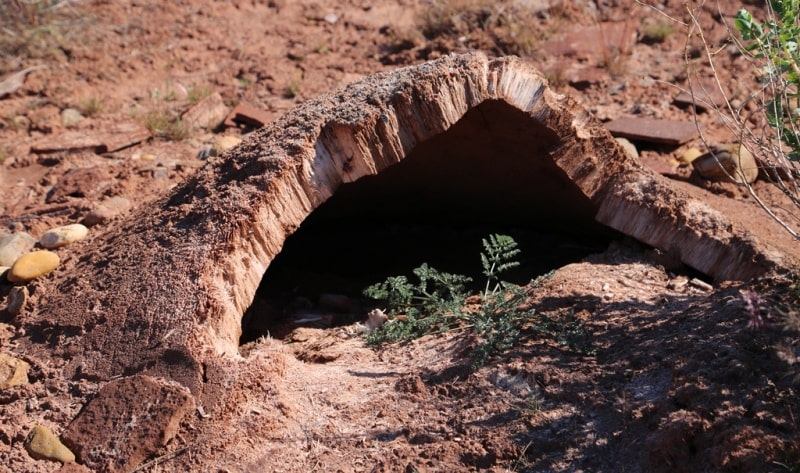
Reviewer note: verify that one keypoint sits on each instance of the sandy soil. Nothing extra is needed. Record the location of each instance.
(663, 375)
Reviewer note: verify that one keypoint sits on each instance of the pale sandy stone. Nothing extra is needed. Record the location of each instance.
(224, 143)
(33, 265)
(62, 236)
(13, 371)
(42, 444)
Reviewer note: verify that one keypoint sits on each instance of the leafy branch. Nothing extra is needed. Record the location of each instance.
(435, 303)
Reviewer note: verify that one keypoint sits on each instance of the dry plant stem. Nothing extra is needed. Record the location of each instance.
(662, 13)
(744, 134)
(167, 457)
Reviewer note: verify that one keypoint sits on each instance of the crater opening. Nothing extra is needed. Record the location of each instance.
(491, 172)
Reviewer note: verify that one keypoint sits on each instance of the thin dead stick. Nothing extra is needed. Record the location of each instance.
(168, 456)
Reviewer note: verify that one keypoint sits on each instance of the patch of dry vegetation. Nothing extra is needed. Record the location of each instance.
(509, 27)
(35, 29)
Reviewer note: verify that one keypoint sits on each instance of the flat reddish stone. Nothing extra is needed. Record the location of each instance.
(132, 417)
(706, 97)
(669, 132)
(248, 115)
(112, 139)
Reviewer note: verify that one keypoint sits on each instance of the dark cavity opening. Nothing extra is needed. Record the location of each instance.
(491, 172)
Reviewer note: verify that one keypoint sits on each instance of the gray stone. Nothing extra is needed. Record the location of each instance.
(17, 298)
(71, 117)
(14, 245)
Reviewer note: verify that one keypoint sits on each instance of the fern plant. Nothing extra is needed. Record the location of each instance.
(435, 303)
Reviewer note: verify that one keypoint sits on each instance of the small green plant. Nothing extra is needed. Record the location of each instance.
(3, 155)
(292, 90)
(656, 32)
(196, 94)
(775, 41)
(164, 125)
(90, 107)
(438, 302)
(511, 29)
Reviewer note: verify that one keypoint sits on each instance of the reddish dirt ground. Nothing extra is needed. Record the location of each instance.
(665, 375)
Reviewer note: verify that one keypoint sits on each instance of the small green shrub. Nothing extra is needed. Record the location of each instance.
(437, 302)
(164, 125)
(91, 107)
(656, 32)
(775, 43)
(196, 94)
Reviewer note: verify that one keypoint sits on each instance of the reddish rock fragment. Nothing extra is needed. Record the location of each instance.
(249, 116)
(132, 417)
(79, 182)
(668, 132)
(207, 113)
(113, 139)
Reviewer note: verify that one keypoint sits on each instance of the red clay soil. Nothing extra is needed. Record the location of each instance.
(649, 368)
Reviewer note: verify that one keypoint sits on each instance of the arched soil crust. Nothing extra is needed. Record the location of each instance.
(163, 295)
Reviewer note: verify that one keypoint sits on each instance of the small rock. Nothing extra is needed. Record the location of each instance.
(247, 115)
(80, 182)
(62, 236)
(629, 147)
(331, 18)
(727, 163)
(107, 210)
(226, 142)
(33, 265)
(14, 245)
(690, 155)
(13, 371)
(148, 157)
(208, 113)
(42, 444)
(669, 132)
(11, 83)
(71, 117)
(17, 298)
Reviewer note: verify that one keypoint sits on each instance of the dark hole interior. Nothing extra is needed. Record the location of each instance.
(489, 173)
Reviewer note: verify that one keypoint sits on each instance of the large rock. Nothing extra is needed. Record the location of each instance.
(129, 420)
(162, 295)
